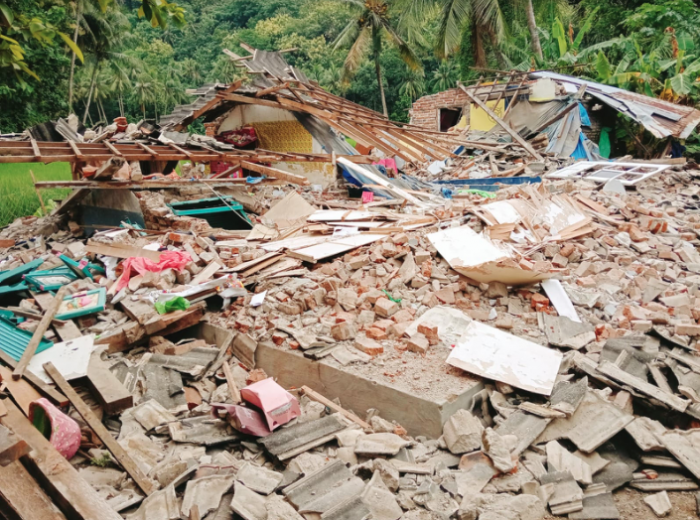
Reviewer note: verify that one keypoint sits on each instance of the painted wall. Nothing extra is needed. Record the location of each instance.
(317, 173)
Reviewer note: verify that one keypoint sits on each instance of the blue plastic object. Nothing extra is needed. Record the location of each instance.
(488, 184)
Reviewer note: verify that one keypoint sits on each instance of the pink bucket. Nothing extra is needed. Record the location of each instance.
(62, 431)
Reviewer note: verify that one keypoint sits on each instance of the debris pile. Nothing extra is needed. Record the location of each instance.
(383, 346)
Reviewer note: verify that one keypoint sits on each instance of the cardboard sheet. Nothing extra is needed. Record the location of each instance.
(477, 257)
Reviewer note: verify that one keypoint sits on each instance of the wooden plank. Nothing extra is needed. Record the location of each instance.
(38, 194)
(246, 265)
(78, 154)
(55, 474)
(276, 173)
(11, 446)
(30, 314)
(119, 454)
(21, 497)
(39, 334)
(206, 273)
(21, 391)
(112, 149)
(36, 151)
(232, 387)
(67, 330)
(51, 393)
(515, 135)
(121, 251)
(110, 392)
(315, 396)
(261, 265)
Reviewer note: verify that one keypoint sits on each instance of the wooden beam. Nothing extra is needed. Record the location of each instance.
(112, 148)
(51, 393)
(11, 446)
(76, 151)
(270, 90)
(110, 392)
(39, 332)
(277, 174)
(315, 396)
(56, 475)
(21, 391)
(232, 387)
(36, 151)
(515, 135)
(21, 497)
(119, 454)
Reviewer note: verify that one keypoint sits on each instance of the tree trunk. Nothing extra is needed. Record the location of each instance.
(102, 109)
(532, 25)
(378, 68)
(92, 89)
(479, 51)
(78, 13)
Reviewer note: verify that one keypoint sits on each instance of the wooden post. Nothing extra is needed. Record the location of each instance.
(515, 135)
(39, 333)
(315, 396)
(38, 193)
(232, 388)
(126, 462)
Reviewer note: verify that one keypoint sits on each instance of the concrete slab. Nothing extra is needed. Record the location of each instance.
(420, 405)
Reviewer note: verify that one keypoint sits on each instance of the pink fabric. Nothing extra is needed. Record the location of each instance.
(168, 260)
(388, 164)
(65, 432)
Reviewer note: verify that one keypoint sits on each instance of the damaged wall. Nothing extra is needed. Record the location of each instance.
(280, 131)
(425, 111)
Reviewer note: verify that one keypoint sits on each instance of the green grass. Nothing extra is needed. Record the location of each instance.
(17, 195)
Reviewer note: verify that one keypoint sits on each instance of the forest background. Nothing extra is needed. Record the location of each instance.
(137, 57)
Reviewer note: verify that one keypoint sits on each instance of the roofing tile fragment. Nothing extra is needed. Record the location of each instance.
(205, 493)
(320, 491)
(287, 442)
(379, 444)
(259, 479)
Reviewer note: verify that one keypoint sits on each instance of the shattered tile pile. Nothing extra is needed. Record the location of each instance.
(561, 317)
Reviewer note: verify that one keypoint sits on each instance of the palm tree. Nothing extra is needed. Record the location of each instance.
(445, 76)
(79, 7)
(413, 84)
(366, 33)
(143, 91)
(106, 32)
(120, 84)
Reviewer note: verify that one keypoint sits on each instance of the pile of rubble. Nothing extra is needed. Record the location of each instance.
(474, 358)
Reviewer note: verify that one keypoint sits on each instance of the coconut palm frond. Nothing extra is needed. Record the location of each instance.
(407, 54)
(455, 14)
(357, 52)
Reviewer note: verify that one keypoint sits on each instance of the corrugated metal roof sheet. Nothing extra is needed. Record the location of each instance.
(661, 118)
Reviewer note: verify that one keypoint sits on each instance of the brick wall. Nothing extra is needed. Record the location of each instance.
(424, 110)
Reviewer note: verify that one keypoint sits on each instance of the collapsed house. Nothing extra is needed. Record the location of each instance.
(330, 315)
(576, 114)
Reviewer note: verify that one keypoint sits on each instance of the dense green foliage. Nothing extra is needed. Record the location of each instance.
(142, 69)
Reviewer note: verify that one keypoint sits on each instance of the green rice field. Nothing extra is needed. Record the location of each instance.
(17, 195)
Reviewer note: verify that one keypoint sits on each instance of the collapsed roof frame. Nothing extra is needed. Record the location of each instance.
(276, 84)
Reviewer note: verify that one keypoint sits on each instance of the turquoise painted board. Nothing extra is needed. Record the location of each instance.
(15, 340)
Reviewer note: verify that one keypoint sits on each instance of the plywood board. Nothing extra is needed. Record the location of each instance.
(333, 247)
(491, 353)
(289, 211)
